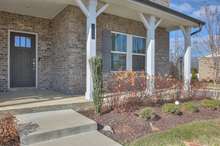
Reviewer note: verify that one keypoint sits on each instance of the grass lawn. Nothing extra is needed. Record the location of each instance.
(204, 133)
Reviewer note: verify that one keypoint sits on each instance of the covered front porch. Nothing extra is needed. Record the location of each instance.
(28, 100)
(63, 29)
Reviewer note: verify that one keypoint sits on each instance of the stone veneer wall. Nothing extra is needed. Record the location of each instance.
(207, 69)
(119, 24)
(69, 51)
(162, 64)
(9, 21)
(62, 46)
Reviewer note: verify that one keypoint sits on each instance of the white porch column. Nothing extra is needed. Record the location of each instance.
(91, 15)
(187, 57)
(90, 46)
(151, 24)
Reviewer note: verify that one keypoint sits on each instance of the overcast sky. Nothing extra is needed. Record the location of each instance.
(193, 8)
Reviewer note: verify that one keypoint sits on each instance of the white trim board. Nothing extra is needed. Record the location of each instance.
(36, 54)
(123, 33)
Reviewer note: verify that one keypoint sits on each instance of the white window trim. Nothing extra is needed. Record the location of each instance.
(116, 32)
(118, 52)
(138, 54)
(129, 53)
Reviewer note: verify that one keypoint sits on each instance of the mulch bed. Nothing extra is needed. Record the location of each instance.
(128, 126)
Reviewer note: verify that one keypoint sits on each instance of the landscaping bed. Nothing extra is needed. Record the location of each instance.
(128, 126)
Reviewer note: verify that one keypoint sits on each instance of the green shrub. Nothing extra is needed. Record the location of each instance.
(171, 108)
(190, 106)
(211, 104)
(96, 66)
(146, 113)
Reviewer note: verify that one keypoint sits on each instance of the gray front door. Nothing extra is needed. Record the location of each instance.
(22, 60)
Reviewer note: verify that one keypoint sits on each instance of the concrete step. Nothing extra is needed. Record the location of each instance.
(45, 126)
(93, 138)
(33, 104)
(42, 108)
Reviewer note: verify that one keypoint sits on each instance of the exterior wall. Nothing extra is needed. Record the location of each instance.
(206, 69)
(162, 64)
(69, 51)
(118, 24)
(162, 2)
(9, 21)
(62, 46)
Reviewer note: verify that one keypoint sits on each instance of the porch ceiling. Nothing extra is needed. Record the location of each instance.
(37, 8)
(131, 9)
(123, 8)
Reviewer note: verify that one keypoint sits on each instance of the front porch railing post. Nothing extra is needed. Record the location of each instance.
(187, 57)
(91, 14)
(151, 25)
(90, 46)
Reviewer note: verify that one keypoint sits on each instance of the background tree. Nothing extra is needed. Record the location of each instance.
(211, 39)
(176, 55)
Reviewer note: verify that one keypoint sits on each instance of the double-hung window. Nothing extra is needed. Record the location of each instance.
(128, 52)
(138, 53)
(119, 52)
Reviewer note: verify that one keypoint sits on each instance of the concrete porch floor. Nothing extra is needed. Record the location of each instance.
(27, 100)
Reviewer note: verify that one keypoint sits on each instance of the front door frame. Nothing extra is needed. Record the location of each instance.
(36, 53)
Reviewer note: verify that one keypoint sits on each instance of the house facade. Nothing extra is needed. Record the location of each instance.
(47, 44)
(207, 68)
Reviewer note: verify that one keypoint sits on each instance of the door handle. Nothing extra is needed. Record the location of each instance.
(39, 59)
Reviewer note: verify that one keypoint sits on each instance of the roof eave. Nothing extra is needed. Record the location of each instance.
(170, 11)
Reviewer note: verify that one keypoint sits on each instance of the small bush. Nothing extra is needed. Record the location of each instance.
(190, 106)
(171, 108)
(122, 104)
(211, 104)
(8, 131)
(146, 113)
(126, 91)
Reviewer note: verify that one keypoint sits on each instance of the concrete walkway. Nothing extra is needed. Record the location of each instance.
(92, 138)
(47, 118)
(60, 128)
(27, 100)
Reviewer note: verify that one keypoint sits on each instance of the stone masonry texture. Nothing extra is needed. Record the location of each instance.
(118, 24)
(207, 69)
(69, 51)
(9, 21)
(62, 46)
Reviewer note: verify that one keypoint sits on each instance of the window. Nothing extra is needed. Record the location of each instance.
(128, 52)
(138, 53)
(139, 45)
(138, 63)
(118, 62)
(118, 53)
(23, 42)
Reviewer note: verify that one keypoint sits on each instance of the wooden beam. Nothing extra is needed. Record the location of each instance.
(101, 10)
(144, 20)
(183, 30)
(82, 7)
(158, 23)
